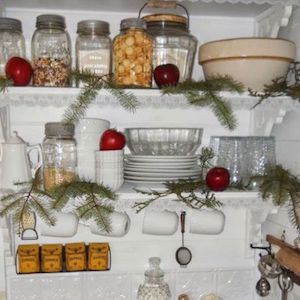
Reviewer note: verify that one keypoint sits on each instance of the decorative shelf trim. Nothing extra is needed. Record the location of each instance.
(236, 199)
(62, 97)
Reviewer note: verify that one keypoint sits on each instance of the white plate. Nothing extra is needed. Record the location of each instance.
(168, 165)
(159, 179)
(144, 158)
(160, 174)
(147, 184)
(163, 169)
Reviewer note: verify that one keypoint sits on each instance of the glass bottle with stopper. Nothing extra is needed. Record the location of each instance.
(154, 286)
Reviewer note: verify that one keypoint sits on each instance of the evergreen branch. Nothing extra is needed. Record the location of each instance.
(223, 111)
(92, 85)
(294, 211)
(43, 212)
(205, 93)
(93, 201)
(184, 190)
(4, 84)
(127, 100)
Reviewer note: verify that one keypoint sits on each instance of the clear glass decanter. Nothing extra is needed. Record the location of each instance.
(154, 286)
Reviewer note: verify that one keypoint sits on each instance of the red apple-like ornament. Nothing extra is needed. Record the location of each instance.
(18, 70)
(166, 75)
(217, 179)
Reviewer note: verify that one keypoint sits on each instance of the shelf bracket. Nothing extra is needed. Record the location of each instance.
(263, 120)
(268, 23)
(255, 218)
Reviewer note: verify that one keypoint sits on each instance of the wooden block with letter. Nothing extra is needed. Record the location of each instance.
(99, 256)
(75, 257)
(28, 258)
(51, 258)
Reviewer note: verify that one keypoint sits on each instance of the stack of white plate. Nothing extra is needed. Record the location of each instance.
(141, 169)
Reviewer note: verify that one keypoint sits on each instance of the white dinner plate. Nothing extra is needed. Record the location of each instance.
(159, 179)
(160, 174)
(163, 170)
(169, 165)
(152, 158)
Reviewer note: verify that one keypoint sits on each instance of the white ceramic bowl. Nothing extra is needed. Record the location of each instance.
(253, 61)
(163, 141)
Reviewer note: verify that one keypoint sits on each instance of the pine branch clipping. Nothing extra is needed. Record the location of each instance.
(92, 85)
(26, 201)
(206, 93)
(94, 201)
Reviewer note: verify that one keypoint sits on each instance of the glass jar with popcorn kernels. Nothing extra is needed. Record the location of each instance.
(132, 54)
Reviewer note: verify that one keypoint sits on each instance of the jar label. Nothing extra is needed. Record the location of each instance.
(97, 61)
(175, 56)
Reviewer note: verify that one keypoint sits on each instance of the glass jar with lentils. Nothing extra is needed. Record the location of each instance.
(51, 52)
(132, 54)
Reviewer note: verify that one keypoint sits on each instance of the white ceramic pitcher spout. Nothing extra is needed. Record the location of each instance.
(16, 165)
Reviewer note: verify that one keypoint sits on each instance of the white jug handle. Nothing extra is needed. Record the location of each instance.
(1, 152)
(38, 147)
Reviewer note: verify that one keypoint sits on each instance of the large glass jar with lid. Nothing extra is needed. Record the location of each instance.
(93, 47)
(154, 286)
(173, 42)
(59, 154)
(12, 41)
(51, 52)
(132, 54)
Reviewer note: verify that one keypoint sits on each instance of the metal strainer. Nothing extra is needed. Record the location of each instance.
(183, 254)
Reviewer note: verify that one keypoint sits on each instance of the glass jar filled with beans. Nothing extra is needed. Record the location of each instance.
(132, 54)
(51, 52)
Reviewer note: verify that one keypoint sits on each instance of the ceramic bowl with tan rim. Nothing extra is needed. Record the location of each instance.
(253, 61)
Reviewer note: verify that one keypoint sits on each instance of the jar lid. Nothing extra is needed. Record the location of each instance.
(10, 24)
(133, 23)
(51, 21)
(93, 26)
(59, 129)
(165, 17)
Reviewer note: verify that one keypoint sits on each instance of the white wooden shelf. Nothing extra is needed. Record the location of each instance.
(62, 97)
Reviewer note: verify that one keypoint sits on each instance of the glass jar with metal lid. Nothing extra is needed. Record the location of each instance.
(59, 154)
(132, 54)
(173, 42)
(51, 52)
(93, 47)
(12, 42)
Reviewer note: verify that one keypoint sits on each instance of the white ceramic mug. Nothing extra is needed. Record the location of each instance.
(160, 222)
(120, 225)
(65, 226)
(206, 221)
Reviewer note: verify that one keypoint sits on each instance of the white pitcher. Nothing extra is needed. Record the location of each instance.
(16, 165)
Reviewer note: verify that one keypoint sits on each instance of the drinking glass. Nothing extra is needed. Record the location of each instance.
(230, 154)
(261, 154)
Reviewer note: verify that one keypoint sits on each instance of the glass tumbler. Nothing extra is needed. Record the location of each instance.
(230, 154)
(260, 155)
